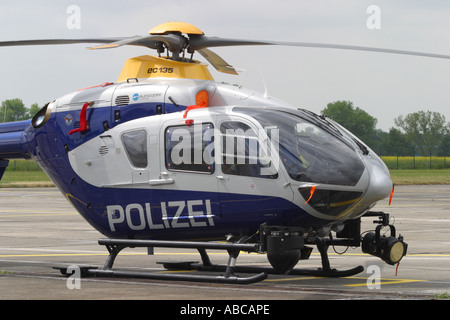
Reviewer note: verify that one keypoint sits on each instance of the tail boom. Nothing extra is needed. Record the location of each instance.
(11, 143)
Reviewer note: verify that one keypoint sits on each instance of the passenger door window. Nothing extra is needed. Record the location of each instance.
(190, 148)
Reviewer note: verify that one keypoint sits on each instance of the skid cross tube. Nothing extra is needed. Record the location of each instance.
(115, 246)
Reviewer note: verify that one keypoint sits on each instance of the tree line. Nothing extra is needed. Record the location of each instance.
(15, 110)
(420, 133)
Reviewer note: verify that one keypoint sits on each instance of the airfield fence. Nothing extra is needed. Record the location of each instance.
(416, 162)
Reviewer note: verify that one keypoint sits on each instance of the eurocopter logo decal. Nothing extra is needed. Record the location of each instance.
(146, 96)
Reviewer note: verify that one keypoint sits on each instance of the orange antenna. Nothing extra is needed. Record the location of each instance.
(311, 193)
(392, 194)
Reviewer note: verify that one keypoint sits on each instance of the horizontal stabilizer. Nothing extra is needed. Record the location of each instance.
(11, 135)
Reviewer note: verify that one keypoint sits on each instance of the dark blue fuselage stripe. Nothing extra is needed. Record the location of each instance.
(106, 209)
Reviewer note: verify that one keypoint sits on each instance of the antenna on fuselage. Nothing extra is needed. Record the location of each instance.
(266, 91)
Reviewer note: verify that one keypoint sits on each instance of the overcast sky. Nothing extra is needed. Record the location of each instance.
(384, 85)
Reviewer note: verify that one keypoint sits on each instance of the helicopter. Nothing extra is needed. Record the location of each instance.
(169, 157)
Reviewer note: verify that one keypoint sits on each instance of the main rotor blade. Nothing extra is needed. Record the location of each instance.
(200, 42)
(55, 42)
(126, 41)
(175, 42)
(217, 62)
(172, 41)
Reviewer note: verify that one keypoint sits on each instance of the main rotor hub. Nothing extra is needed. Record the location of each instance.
(175, 27)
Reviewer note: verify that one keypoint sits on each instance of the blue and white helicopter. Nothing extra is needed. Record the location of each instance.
(168, 157)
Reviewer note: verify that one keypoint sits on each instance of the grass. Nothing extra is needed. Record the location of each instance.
(442, 296)
(22, 174)
(425, 176)
(23, 179)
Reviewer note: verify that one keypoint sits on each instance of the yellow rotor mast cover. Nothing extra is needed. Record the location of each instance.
(154, 67)
(175, 26)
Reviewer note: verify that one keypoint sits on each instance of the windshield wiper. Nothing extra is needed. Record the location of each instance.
(322, 120)
(361, 146)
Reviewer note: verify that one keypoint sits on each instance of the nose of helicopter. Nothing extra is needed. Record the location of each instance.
(380, 183)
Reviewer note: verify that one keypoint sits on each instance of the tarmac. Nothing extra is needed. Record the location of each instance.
(39, 229)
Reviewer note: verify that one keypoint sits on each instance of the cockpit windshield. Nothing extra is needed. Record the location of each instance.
(309, 151)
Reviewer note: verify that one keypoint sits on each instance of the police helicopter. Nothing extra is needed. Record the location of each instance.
(168, 157)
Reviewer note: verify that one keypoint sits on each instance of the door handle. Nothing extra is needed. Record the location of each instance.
(155, 182)
(164, 179)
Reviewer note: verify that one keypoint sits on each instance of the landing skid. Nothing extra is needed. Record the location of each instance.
(326, 271)
(115, 246)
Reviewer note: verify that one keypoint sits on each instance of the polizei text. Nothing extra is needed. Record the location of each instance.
(171, 214)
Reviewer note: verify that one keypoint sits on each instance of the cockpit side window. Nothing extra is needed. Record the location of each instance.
(135, 143)
(243, 154)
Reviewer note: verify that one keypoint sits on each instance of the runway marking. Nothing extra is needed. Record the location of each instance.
(382, 281)
(427, 255)
(37, 215)
(67, 255)
(99, 254)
